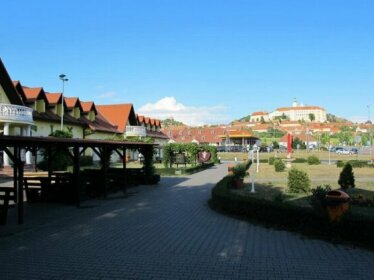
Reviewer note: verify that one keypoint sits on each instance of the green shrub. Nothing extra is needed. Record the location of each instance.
(318, 197)
(313, 160)
(347, 177)
(339, 163)
(279, 165)
(299, 160)
(86, 160)
(280, 214)
(298, 181)
(271, 160)
(240, 170)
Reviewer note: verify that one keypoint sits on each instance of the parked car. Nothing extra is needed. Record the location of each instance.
(354, 151)
(343, 151)
(336, 149)
(266, 149)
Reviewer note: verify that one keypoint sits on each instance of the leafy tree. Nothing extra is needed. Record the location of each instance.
(325, 138)
(171, 122)
(345, 137)
(296, 141)
(298, 181)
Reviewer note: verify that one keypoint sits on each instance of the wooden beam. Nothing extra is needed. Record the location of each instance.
(76, 175)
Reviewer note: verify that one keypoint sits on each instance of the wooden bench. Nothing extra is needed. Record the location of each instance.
(6, 195)
(35, 187)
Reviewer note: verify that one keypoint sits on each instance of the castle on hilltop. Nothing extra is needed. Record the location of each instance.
(297, 112)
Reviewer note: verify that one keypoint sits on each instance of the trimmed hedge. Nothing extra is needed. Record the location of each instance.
(299, 160)
(313, 160)
(187, 171)
(283, 215)
(354, 163)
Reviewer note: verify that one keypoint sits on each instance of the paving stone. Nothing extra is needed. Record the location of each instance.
(169, 232)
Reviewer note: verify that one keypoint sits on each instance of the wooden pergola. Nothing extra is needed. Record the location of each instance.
(16, 147)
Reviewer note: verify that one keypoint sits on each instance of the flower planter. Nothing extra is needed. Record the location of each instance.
(238, 183)
(337, 203)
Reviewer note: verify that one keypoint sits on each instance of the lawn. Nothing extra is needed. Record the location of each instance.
(271, 185)
(322, 155)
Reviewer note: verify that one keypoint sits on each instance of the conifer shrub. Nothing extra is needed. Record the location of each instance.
(347, 177)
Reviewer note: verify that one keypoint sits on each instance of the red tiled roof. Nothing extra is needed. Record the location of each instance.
(53, 98)
(300, 108)
(302, 137)
(71, 102)
(140, 119)
(260, 113)
(118, 114)
(32, 93)
(88, 106)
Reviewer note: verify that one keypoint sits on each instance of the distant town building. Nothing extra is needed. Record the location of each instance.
(297, 112)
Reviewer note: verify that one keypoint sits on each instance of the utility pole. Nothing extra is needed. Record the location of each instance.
(370, 138)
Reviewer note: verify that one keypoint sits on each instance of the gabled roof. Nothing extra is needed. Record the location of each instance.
(88, 106)
(19, 89)
(33, 94)
(8, 86)
(119, 115)
(100, 124)
(140, 119)
(72, 102)
(53, 98)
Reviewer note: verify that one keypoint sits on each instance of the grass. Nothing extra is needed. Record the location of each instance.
(322, 155)
(271, 185)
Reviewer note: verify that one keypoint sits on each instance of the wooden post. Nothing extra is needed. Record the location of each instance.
(76, 175)
(15, 172)
(19, 163)
(124, 172)
(104, 168)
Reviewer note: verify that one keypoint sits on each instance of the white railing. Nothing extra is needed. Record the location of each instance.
(15, 113)
(135, 131)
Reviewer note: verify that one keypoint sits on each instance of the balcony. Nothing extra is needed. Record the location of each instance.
(137, 131)
(15, 114)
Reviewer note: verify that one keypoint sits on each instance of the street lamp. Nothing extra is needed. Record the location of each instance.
(63, 79)
(370, 138)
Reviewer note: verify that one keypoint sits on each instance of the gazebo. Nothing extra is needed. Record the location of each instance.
(16, 147)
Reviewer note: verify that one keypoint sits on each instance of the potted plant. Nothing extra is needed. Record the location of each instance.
(239, 173)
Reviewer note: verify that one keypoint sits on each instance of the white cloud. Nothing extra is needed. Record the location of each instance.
(168, 107)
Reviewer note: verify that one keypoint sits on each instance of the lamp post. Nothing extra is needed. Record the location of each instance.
(370, 138)
(63, 79)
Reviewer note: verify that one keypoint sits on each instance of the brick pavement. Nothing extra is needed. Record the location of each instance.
(169, 232)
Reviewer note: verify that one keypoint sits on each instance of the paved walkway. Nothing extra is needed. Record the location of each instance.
(169, 232)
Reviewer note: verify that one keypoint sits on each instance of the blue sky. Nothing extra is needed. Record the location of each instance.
(209, 61)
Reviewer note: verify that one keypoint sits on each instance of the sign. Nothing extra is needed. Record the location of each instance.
(204, 156)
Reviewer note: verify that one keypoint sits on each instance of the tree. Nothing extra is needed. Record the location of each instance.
(296, 141)
(325, 138)
(312, 117)
(347, 177)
